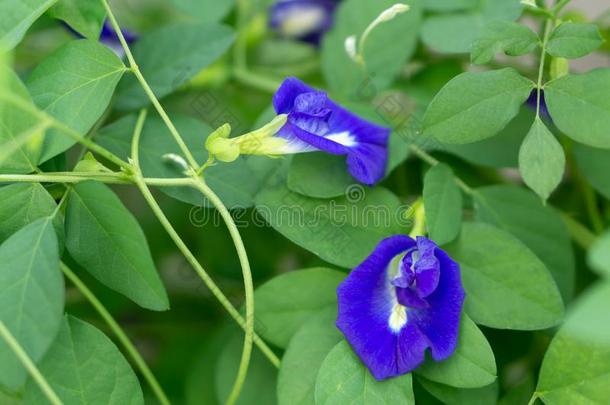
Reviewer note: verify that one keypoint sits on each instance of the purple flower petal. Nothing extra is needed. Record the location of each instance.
(391, 338)
(306, 20)
(532, 101)
(317, 123)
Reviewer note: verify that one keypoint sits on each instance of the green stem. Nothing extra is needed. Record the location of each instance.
(29, 365)
(249, 288)
(147, 89)
(78, 177)
(22, 138)
(432, 161)
(533, 399)
(256, 80)
(248, 285)
(579, 233)
(224, 301)
(559, 6)
(548, 26)
(65, 129)
(592, 208)
(121, 336)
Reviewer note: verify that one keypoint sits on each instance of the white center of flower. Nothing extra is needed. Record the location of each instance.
(398, 318)
(345, 138)
(302, 21)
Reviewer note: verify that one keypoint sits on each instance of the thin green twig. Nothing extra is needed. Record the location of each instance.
(148, 90)
(248, 286)
(432, 161)
(66, 130)
(202, 187)
(120, 334)
(548, 26)
(29, 365)
(78, 177)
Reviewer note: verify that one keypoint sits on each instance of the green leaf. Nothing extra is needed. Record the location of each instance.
(541, 160)
(455, 32)
(342, 231)
(170, 56)
(303, 358)
(498, 269)
(74, 84)
(503, 36)
(595, 165)
(387, 50)
(472, 365)
(580, 106)
(574, 40)
(443, 204)
(476, 105)
(521, 392)
(23, 204)
(107, 241)
(199, 376)
(500, 151)
(319, 175)
(539, 227)
(458, 396)
(576, 366)
(83, 367)
(599, 256)
(205, 10)
(236, 183)
(260, 385)
(20, 133)
(31, 296)
(449, 5)
(343, 379)
(23, 13)
(85, 17)
(285, 302)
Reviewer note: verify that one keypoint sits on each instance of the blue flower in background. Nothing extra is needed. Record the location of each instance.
(532, 101)
(406, 297)
(316, 123)
(306, 20)
(109, 38)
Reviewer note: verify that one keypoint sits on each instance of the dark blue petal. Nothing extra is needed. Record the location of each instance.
(440, 323)
(427, 268)
(391, 344)
(324, 125)
(532, 101)
(285, 96)
(367, 163)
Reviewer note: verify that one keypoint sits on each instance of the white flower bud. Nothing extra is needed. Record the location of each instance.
(392, 12)
(351, 47)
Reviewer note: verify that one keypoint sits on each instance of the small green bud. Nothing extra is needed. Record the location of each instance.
(560, 67)
(223, 149)
(177, 160)
(90, 164)
(220, 146)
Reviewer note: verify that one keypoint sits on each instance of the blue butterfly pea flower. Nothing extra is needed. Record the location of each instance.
(404, 299)
(316, 123)
(306, 20)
